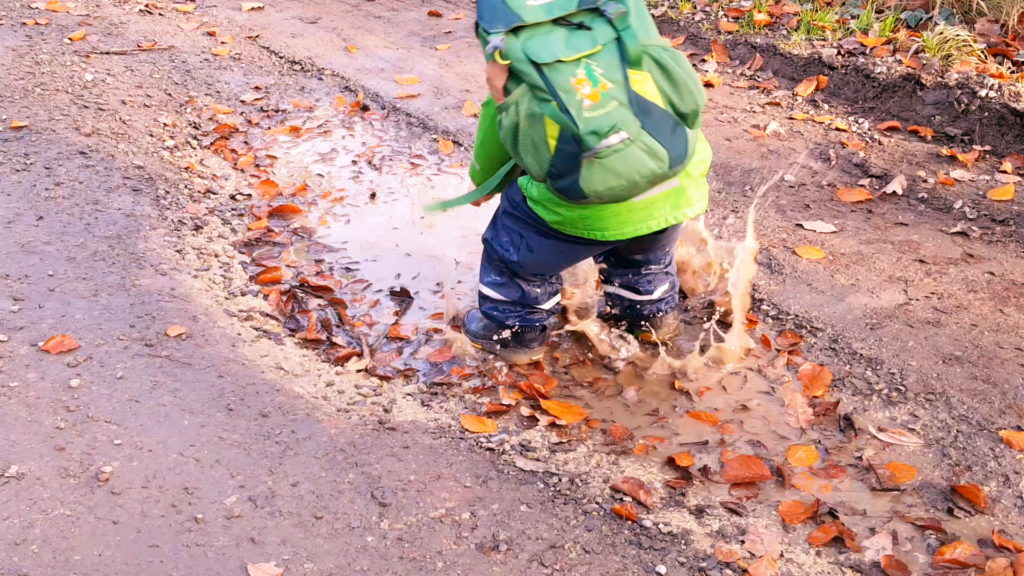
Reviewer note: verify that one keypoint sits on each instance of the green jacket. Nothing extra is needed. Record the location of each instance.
(677, 200)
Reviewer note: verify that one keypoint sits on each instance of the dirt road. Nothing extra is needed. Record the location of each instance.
(235, 445)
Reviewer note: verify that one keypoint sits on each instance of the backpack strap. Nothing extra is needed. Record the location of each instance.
(490, 186)
(618, 14)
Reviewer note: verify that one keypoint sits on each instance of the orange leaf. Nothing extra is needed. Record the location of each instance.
(728, 26)
(746, 468)
(478, 424)
(636, 489)
(727, 552)
(944, 179)
(810, 252)
(802, 455)
(850, 195)
(809, 483)
(60, 343)
(407, 95)
(445, 146)
(760, 19)
(1013, 438)
(890, 125)
(442, 47)
(287, 210)
(470, 109)
(974, 494)
(1005, 543)
(871, 42)
(619, 433)
(273, 275)
(708, 418)
(900, 473)
(816, 379)
(788, 340)
(1006, 167)
(855, 145)
(352, 49)
(719, 52)
(18, 124)
(821, 82)
(625, 511)
(711, 80)
(893, 566)
(823, 119)
(795, 512)
(303, 105)
(175, 330)
(799, 116)
(77, 35)
(682, 459)
(678, 41)
(259, 224)
(220, 109)
(55, 6)
(407, 79)
(923, 131)
(736, 12)
(840, 126)
(959, 554)
(268, 189)
(433, 13)
(807, 87)
(825, 533)
(568, 413)
(401, 331)
(882, 52)
(1001, 194)
(220, 51)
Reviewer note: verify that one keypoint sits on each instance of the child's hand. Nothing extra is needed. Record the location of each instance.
(497, 75)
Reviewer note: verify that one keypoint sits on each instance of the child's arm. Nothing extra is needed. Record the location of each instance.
(489, 154)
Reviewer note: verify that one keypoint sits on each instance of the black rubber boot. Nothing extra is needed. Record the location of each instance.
(514, 344)
(657, 327)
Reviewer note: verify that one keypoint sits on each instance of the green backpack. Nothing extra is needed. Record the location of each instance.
(598, 105)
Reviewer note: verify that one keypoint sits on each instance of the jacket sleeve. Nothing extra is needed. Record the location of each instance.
(489, 154)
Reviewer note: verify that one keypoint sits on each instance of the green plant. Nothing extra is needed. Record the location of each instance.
(747, 25)
(819, 22)
(865, 21)
(887, 26)
(948, 45)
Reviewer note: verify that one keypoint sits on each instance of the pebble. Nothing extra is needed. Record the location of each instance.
(647, 523)
(15, 308)
(118, 442)
(661, 569)
(119, 375)
(3, 338)
(200, 519)
(74, 383)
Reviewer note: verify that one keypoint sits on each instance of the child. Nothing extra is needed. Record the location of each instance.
(603, 116)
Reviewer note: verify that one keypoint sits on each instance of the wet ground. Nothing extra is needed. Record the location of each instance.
(230, 446)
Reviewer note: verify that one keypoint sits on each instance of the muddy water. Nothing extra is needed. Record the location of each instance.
(378, 179)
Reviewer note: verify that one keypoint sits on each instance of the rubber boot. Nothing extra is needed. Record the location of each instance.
(514, 344)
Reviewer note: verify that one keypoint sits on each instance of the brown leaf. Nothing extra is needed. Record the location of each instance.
(728, 26)
(711, 80)
(709, 418)
(727, 553)
(625, 511)
(1013, 438)
(433, 13)
(890, 125)
(564, 411)
(816, 379)
(944, 179)
(1018, 565)
(802, 455)
(682, 459)
(924, 132)
(999, 567)
(175, 330)
(893, 566)
(446, 147)
(763, 542)
(825, 533)
(896, 436)
(303, 105)
(441, 355)
(899, 473)
(806, 87)
(478, 424)
(788, 340)
(756, 63)
(855, 145)
(974, 494)
(795, 512)
(496, 408)
(273, 275)
(746, 468)
(636, 489)
(407, 95)
(55, 6)
(869, 41)
(1005, 543)
(850, 195)
(60, 343)
(799, 413)
(959, 554)
(619, 433)
(401, 331)
(926, 523)
(719, 52)
(220, 51)
(264, 569)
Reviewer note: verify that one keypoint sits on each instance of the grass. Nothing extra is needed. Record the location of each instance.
(948, 45)
(819, 22)
(1007, 12)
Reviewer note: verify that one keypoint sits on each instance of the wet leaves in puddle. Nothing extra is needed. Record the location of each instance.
(794, 512)
(564, 411)
(973, 494)
(826, 533)
(959, 554)
(893, 566)
(745, 468)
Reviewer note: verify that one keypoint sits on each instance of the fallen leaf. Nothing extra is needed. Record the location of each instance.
(855, 145)
(564, 411)
(924, 132)
(625, 511)
(959, 554)
(1018, 565)
(806, 87)
(264, 569)
(974, 494)
(401, 331)
(719, 52)
(185, 8)
(352, 49)
(221, 109)
(850, 195)
(818, 226)
(60, 343)
(458, 16)
(799, 413)
(871, 42)
(636, 489)
(746, 468)
(728, 26)
(1005, 543)
(893, 566)
(788, 340)
(764, 566)
(823, 119)
(619, 433)
(220, 51)
(711, 80)
(406, 95)
(273, 275)
(896, 436)
(303, 105)
(708, 418)
(267, 188)
(840, 126)
(760, 19)
(678, 41)
(77, 35)
(682, 459)
(55, 6)
(944, 179)
(809, 483)
(794, 512)
(1013, 438)
(809, 252)
(897, 186)
(962, 175)
(1002, 193)
(763, 541)
(445, 146)
(478, 424)
(434, 13)
(816, 379)
(899, 473)
(926, 523)
(250, 6)
(17, 124)
(727, 553)
(998, 567)
(1016, 161)
(802, 455)
(799, 116)
(175, 330)
(890, 125)
(470, 109)
(825, 533)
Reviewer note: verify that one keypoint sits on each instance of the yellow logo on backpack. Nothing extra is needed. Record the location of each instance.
(589, 85)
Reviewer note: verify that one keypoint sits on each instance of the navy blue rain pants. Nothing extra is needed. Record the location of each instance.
(520, 272)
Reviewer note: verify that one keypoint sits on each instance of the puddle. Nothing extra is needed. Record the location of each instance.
(382, 301)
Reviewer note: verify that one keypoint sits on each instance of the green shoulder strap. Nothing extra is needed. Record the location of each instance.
(490, 186)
